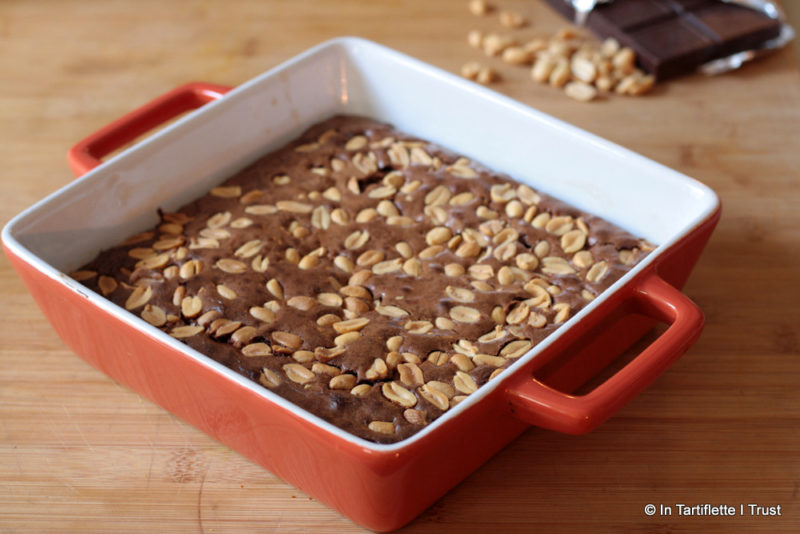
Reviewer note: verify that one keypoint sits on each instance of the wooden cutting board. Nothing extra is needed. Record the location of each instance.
(78, 453)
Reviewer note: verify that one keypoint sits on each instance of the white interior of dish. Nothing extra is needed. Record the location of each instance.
(350, 75)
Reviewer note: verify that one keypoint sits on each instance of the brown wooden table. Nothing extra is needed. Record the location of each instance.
(78, 453)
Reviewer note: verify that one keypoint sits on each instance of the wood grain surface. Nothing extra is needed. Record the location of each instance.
(79, 453)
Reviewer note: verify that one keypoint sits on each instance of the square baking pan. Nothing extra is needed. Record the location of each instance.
(379, 486)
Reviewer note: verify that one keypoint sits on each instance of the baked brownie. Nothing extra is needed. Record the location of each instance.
(368, 276)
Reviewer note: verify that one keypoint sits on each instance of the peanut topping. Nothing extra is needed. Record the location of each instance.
(107, 285)
(382, 427)
(361, 263)
(435, 397)
(597, 272)
(459, 294)
(438, 235)
(346, 338)
(398, 394)
(269, 378)
(515, 349)
(377, 370)
(83, 275)
(226, 292)
(154, 315)
(352, 325)
(243, 335)
(139, 297)
(293, 206)
(464, 383)
(227, 192)
(356, 240)
(262, 314)
(182, 332)
(486, 359)
(297, 373)
(453, 269)
(274, 287)
(344, 381)
(410, 374)
(287, 340)
(556, 265)
(356, 143)
(573, 241)
(301, 302)
(256, 349)
(464, 314)
(391, 311)
(415, 417)
(231, 266)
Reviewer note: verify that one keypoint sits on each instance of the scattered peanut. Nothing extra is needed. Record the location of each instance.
(479, 8)
(511, 19)
(583, 67)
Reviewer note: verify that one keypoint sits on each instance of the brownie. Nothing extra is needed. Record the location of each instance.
(370, 277)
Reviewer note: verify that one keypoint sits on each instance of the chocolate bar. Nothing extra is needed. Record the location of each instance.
(674, 37)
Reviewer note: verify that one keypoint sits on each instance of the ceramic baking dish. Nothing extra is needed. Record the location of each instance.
(379, 486)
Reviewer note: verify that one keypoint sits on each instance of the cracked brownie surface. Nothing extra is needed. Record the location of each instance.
(370, 277)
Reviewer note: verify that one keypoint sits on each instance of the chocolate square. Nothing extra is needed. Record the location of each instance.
(667, 46)
(737, 28)
(674, 37)
(632, 13)
(688, 5)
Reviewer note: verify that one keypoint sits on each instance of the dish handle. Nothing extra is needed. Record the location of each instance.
(538, 404)
(88, 153)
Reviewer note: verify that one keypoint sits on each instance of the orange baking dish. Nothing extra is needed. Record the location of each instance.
(379, 486)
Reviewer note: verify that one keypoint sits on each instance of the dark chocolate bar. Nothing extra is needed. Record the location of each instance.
(674, 37)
